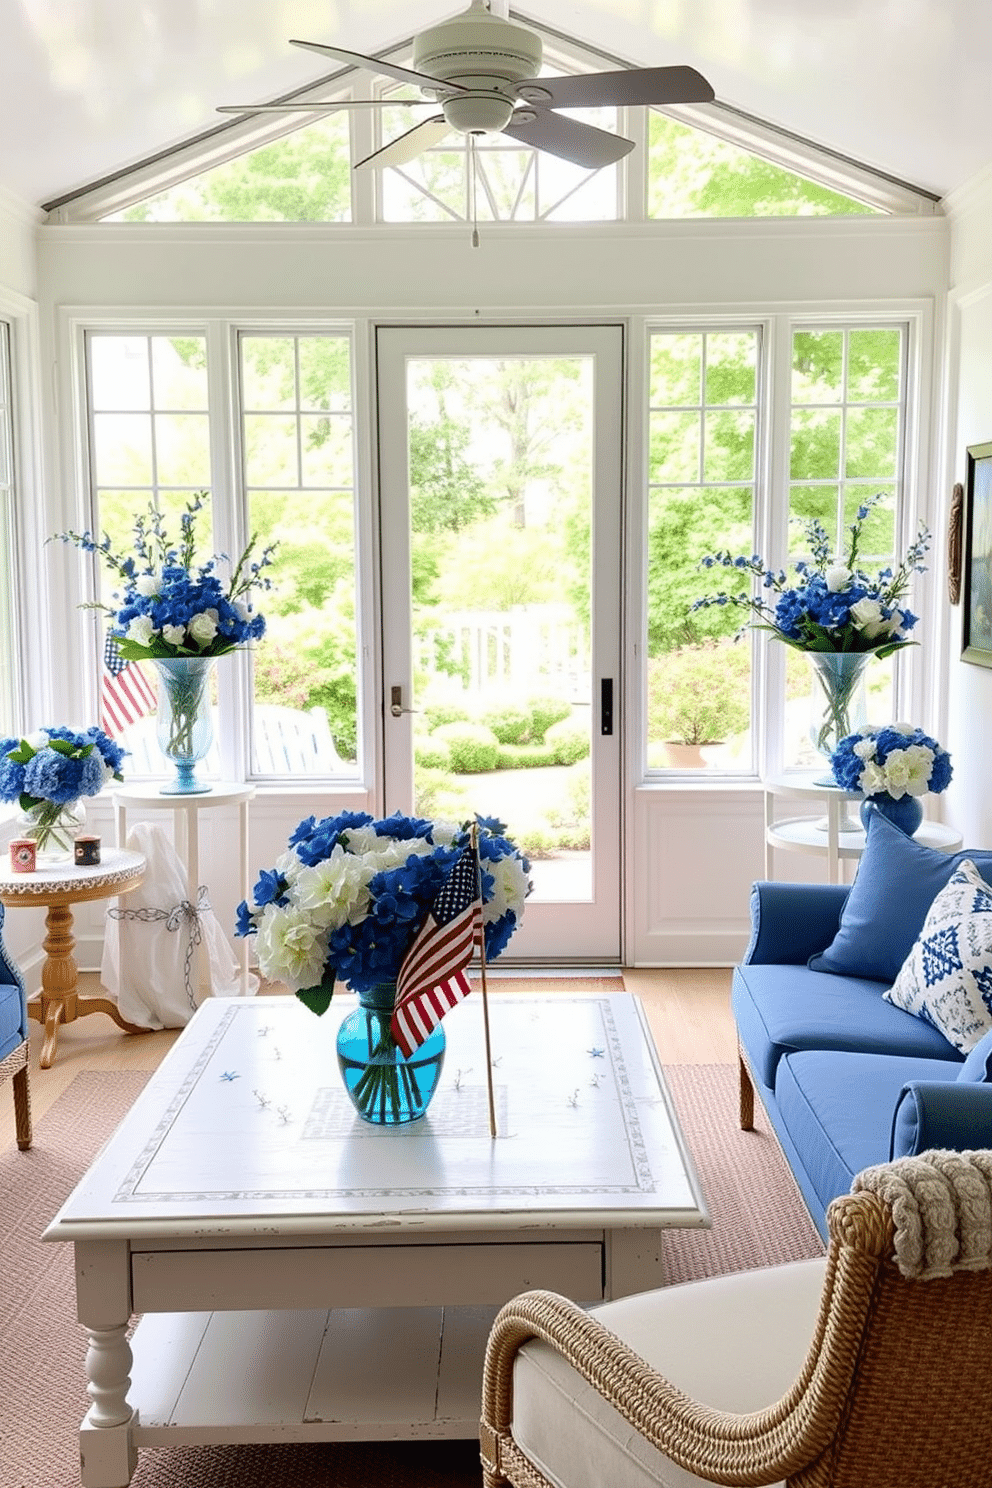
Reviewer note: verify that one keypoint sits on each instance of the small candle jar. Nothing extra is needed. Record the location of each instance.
(86, 851)
(23, 855)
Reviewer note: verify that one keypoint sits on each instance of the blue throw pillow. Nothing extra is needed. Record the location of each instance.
(977, 1068)
(897, 881)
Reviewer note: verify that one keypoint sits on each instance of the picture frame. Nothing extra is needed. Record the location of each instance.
(976, 632)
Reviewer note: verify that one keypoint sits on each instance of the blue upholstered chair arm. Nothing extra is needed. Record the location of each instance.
(10, 976)
(791, 922)
(956, 1114)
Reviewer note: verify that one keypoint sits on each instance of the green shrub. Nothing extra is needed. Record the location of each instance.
(568, 741)
(436, 714)
(472, 747)
(510, 724)
(431, 752)
(699, 694)
(544, 711)
(524, 756)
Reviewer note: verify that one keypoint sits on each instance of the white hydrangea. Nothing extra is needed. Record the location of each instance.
(907, 771)
(873, 779)
(865, 750)
(509, 889)
(335, 891)
(291, 948)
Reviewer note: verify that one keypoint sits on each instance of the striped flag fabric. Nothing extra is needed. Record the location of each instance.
(432, 978)
(126, 694)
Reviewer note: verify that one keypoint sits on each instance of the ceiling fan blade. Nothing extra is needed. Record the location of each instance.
(408, 146)
(328, 107)
(568, 138)
(625, 89)
(376, 64)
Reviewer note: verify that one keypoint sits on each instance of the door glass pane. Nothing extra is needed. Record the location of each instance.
(297, 452)
(500, 469)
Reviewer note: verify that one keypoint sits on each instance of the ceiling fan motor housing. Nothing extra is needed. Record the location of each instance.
(479, 51)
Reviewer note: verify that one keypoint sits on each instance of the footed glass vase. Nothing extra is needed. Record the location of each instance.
(184, 724)
(906, 812)
(838, 706)
(52, 828)
(385, 1087)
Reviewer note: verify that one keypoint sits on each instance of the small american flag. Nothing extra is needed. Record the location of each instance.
(432, 978)
(126, 694)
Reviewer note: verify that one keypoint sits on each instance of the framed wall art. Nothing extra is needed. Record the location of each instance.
(976, 634)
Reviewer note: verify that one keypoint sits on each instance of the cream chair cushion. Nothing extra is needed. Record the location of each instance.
(734, 1342)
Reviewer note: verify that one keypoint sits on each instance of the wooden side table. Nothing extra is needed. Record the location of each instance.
(186, 835)
(58, 888)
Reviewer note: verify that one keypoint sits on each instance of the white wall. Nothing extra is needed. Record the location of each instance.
(693, 851)
(969, 422)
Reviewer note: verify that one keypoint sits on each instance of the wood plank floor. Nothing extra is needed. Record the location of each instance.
(688, 1009)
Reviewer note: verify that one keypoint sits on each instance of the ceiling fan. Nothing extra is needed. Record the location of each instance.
(482, 71)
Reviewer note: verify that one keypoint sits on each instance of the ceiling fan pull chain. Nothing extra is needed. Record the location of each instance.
(474, 190)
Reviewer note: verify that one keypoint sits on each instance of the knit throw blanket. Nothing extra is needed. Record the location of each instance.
(941, 1204)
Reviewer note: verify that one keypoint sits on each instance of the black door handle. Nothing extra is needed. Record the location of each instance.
(606, 705)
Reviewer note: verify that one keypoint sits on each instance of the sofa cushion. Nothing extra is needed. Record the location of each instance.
(780, 1009)
(978, 1065)
(11, 1025)
(947, 976)
(839, 1110)
(897, 881)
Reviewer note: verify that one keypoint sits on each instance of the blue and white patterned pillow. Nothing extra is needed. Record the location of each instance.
(947, 976)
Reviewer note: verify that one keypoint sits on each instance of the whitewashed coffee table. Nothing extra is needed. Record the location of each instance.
(305, 1276)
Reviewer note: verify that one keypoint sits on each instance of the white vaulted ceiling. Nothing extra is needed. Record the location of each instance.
(89, 87)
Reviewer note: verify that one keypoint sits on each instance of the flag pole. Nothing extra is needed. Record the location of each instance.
(485, 994)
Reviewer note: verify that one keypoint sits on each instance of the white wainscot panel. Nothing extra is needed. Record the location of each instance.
(695, 856)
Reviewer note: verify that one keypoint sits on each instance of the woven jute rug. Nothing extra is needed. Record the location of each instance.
(758, 1220)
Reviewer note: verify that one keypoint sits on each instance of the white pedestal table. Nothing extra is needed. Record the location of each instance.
(306, 1276)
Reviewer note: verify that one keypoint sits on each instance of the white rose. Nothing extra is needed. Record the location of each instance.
(897, 770)
(866, 616)
(509, 889)
(174, 634)
(291, 948)
(36, 741)
(141, 630)
(837, 578)
(203, 627)
(865, 750)
(918, 766)
(147, 584)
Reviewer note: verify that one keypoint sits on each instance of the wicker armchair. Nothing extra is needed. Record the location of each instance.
(14, 1041)
(892, 1391)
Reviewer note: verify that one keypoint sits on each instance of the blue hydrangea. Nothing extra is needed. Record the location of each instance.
(71, 764)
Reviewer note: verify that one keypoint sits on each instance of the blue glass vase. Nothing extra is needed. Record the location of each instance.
(184, 722)
(385, 1087)
(906, 813)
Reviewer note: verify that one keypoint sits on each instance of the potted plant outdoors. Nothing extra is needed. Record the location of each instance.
(699, 695)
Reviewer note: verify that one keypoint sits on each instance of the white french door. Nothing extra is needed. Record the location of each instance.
(500, 479)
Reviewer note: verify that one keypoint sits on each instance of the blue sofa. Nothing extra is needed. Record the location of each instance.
(14, 1041)
(847, 1079)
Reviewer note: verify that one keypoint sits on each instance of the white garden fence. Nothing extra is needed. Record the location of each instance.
(527, 650)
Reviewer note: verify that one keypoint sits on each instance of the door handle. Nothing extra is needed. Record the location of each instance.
(606, 705)
(396, 703)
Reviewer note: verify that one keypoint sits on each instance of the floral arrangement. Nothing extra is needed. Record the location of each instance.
(830, 604)
(49, 770)
(168, 607)
(896, 760)
(349, 896)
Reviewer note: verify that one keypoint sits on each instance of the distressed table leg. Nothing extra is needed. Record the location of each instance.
(107, 1454)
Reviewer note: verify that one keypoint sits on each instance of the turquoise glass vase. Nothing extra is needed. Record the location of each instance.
(906, 812)
(386, 1088)
(184, 722)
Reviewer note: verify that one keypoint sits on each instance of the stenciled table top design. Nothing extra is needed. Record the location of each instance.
(247, 1117)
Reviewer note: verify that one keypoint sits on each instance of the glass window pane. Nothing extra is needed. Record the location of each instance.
(326, 449)
(676, 371)
(120, 378)
(817, 366)
(731, 368)
(122, 449)
(872, 435)
(815, 445)
(874, 366)
(674, 447)
(179, 372)
(182, 449)
(268, 372)
(325, 373)
(878, 531)
(810, 504)
(729, 447)
(271, 450)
